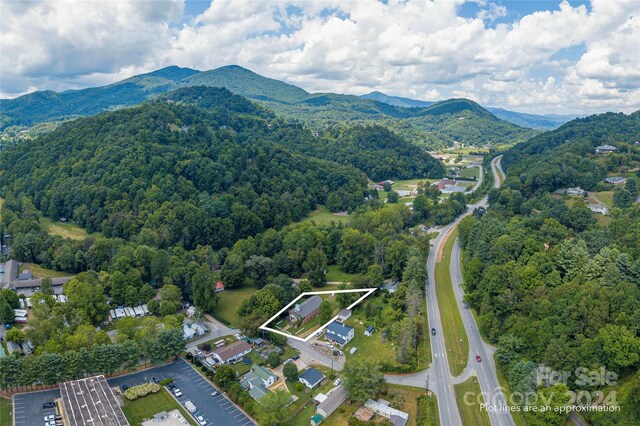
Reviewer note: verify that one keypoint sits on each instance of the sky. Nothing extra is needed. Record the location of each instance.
(575, 57)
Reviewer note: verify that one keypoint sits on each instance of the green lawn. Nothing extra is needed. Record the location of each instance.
(241, 368)
(228, 303)
(334, 273)
(428, 411)
(143, 408)
(322, 216)
(470, 412)
(5, 411)
(455, 336)
(409, 184)
(41, 272)
(604, 197)
(65, 230)
(470, 172)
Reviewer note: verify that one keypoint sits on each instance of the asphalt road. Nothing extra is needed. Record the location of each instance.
(439, 378)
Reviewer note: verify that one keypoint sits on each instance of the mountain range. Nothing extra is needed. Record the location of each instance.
(431, 124)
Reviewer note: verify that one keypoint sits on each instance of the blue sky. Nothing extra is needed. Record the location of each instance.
(532, 56)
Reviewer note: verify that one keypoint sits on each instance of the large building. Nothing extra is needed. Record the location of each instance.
(305, 311)
(9, 277)
(91, 401)
(334, 400)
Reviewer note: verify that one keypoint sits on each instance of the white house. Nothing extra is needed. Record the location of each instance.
(344, 315)
(339, 333)
(311, 378)
(599, 208)
(575, 191)
(232, 352)
(382, 408)
(188, 332)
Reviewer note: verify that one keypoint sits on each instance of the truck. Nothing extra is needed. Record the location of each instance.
(189, 406)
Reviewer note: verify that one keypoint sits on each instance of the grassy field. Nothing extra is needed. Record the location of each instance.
(455, 336)
(242, 368)
(518, 417)
(143, 408)
(410, 404)
(65, 230)
(471, 413)
(470, 172)
(409, 184)
(604, 197)
(334, 273)
(5, 411)
(428, 411)
(41, 272)
(228, 303)
(322, 216)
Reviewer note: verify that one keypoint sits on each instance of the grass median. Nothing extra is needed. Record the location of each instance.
(469, 398)
(455, 336)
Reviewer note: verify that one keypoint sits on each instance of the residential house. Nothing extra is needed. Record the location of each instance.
(599, 208)
(188, 332)
(20, 315)
(311, 378)
(233, 352)
(339, 333)
(442, 183)
(13, 347)
(403, 192)
(575, 191)
(219, 287)
(390, 182)
(615, 180)
(190, 311)
(382, 408)
(369, 331)
(390, 287)
(337, 396)
(605, 149)
(376, 187)
(258, 380)
(344, 315)
(305, 311)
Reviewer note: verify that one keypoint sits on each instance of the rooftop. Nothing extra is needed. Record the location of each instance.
(312, 376)
(334, 400)
(338, 328)
(91, 401)
(308, 306)
(233, 350)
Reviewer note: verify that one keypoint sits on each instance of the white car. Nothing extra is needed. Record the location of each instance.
(49, 418)
(177, 392)
(319, 332)
(237, 336)
(201, 420)
(337, 382)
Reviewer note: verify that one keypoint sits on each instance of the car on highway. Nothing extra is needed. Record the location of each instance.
(433, 331)
(478, 358)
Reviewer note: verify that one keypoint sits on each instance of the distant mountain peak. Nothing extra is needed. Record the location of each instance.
(172, 72)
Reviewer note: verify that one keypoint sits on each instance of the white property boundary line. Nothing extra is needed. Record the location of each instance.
(311, 293)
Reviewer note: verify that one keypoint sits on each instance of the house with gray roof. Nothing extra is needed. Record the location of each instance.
(258, 380)
(339, 333)
(306, 310)
(311, 378)
(605, 149)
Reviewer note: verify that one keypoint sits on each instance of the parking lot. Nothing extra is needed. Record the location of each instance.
(27, 407)
(218, 411)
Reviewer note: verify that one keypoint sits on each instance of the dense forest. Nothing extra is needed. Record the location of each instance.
(553, 286)
(566, 156)
(164, 173)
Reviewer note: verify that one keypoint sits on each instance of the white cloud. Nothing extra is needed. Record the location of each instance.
(422, 49)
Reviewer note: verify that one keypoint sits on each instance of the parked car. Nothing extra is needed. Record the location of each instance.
(295, 357)
(48, 405)
(337, 382)
(156, 380)
(433, 331)
(215, 393)
(341, 353)
(201, 420)
(49, 418)
(478, 358)
(177, 392)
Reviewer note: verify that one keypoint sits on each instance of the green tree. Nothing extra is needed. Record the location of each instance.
(316, 266)
(273, 360)
(233, 272)
(86, 300)
(273, 408)
(15, 335)
(324, 312)
(392, 197)
(355, 250)
(620, 347)
(225, 376)
(7, 315)
(363, 378)
(259, 268)
(622, 198)
(290, 371)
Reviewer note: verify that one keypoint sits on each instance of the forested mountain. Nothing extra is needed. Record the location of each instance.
(440, 126)
(166, 173)
(534, 121)
(566, 156)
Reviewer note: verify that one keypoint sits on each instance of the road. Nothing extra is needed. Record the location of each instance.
(320, 358)
(438, 375)
(216, 330)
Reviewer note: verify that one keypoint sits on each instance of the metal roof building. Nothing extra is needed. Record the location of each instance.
(91, 401)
